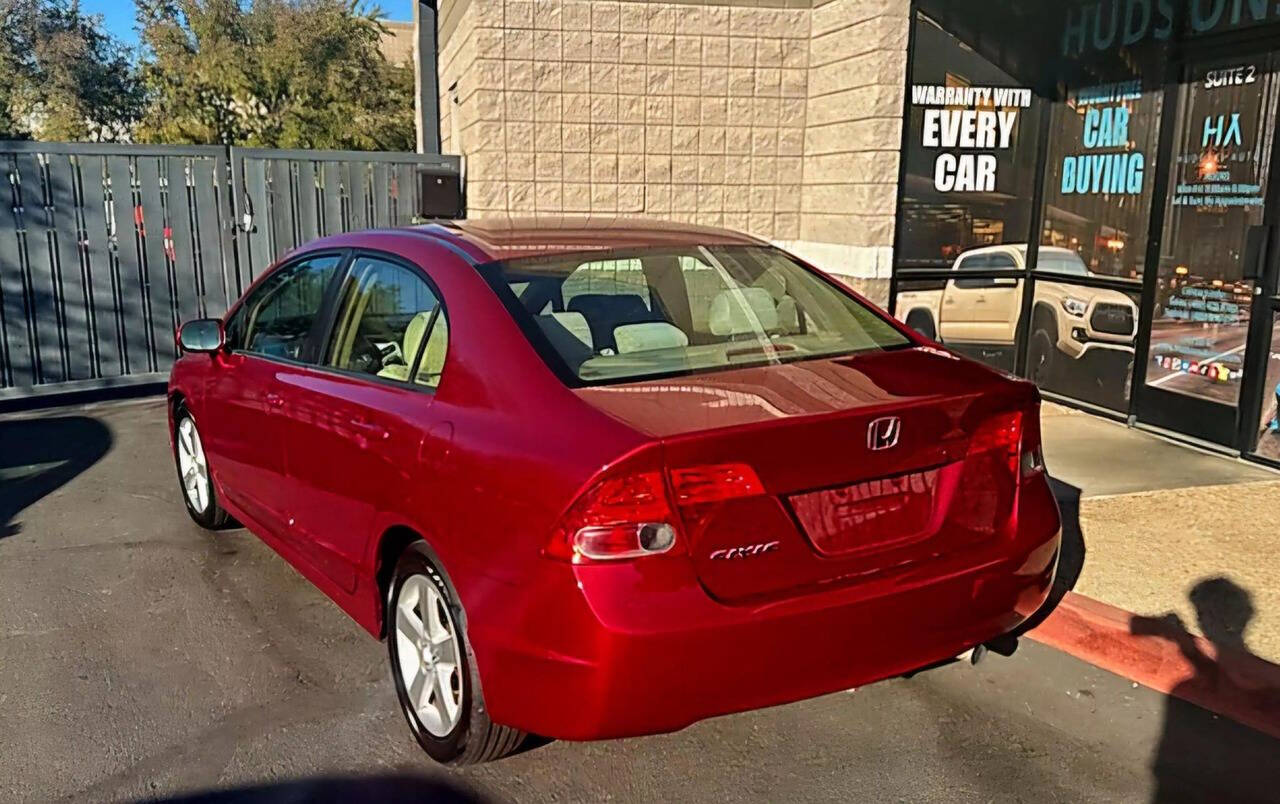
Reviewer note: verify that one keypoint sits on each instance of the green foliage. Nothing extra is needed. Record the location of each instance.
(265, 73)
(61, 76)
(272, 73)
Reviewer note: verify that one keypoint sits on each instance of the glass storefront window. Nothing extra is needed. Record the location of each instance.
(1269, 425)
(1121, 101)
(1080, 342)
(1221, 163)
(1098, 185)
(975, 316)
(1099, 180)
(970, 158)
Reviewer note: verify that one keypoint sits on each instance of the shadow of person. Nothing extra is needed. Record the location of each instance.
(39, 455)
(1203, 756)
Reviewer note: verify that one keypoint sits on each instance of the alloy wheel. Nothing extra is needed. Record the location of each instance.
(430, 655)
(192, 465)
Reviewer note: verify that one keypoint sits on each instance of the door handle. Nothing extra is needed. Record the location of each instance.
(369, 428)
(274, 400)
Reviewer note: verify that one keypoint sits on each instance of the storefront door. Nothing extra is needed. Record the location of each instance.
(1210, 340)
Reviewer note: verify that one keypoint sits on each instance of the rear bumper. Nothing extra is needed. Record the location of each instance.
(624, 650)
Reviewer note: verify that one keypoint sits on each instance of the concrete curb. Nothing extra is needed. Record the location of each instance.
(1159, 654)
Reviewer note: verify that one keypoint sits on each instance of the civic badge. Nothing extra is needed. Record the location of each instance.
(883, 433)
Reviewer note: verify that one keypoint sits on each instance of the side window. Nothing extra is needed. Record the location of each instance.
(431, 364)
(977, 262)
(276, 319)
(389, 320)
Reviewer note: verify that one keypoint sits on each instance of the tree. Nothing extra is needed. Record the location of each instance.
(62, 77)
(272, 73)
(13, 71)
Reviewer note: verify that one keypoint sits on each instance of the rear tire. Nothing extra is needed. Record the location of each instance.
(195, 480)
(434, 668)
(922, 322)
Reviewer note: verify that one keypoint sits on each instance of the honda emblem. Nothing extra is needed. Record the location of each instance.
(883, 433)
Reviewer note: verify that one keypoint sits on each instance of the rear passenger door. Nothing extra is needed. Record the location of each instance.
(360, 419)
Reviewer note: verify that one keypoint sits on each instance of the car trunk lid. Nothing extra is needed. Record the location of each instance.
(867, 463)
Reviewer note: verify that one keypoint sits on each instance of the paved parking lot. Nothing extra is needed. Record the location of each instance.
(143, 658)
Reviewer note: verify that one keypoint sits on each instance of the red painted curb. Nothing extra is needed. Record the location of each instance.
(1159, 654)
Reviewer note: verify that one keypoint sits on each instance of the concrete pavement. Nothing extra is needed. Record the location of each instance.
(142, 657)
(1159, 522)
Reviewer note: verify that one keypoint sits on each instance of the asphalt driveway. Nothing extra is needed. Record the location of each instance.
(141, 657)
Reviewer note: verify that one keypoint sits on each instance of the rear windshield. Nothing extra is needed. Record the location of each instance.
(607, 318)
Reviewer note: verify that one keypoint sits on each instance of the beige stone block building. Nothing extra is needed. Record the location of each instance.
(1084, 192)
(781, 118)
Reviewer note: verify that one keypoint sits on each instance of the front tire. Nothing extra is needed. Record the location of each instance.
(194, 477)
(434, 668)
(1041, 356)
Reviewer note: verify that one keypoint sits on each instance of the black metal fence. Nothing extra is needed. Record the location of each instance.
(106, 248)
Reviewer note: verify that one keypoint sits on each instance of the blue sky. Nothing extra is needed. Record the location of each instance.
(118, 15)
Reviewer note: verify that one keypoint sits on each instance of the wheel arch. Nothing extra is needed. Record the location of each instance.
(177, 401)
(391, 544)
(922, 316)
(1043, 314)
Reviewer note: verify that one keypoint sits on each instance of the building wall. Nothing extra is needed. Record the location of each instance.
(777, 117)
(396, 42)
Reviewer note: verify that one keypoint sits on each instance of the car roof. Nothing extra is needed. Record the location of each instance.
(1020, 248)
(506, 238)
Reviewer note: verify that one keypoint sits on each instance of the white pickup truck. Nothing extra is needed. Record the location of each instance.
(979, 316)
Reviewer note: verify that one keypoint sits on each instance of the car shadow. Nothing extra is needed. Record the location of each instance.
(40, 455)
(1071, 556)
(386, 789)
(1203, 756)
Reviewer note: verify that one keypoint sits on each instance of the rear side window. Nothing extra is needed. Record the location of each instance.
(977, 262)
(278, 315)
(662, 312)
(994, 261)
(390, 324)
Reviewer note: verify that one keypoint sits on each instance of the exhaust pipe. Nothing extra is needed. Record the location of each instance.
(1004, 645)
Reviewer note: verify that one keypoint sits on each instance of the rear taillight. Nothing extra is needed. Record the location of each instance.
(631, 515)
(991, 475)
(706, 484)
(1014, 439)
(999, 437)
(618, 517)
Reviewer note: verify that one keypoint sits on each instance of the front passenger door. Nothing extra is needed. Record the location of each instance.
(244, 401)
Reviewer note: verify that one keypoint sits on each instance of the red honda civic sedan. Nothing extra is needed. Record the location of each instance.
(596, 481)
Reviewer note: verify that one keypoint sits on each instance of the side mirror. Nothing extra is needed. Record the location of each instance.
(201, 335)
